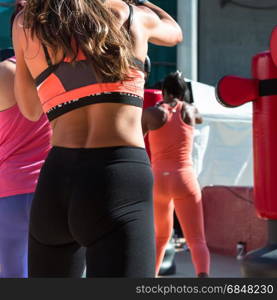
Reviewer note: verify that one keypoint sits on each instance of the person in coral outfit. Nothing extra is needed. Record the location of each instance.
(170, 126)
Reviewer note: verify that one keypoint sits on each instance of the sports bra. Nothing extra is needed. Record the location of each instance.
(66, 86)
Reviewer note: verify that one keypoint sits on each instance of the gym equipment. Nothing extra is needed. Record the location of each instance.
(233, 91)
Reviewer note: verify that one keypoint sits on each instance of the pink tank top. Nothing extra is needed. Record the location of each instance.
(23, 148)
(171, 145)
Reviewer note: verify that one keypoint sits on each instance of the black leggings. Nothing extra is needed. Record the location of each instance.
(93, 207)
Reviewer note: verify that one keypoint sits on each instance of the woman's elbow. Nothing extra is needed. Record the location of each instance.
(179, 35)
(180, 38)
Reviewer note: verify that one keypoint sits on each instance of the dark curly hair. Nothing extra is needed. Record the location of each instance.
(174, 84)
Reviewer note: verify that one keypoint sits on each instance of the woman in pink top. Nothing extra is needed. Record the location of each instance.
(171, 130)
(23, 148)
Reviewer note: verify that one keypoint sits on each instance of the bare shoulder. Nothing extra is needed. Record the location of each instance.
(6, 66)
(190, 107)
(198, 117)
(195, 109)
(20, 35)
(157, 112)
(156, 109)
(120, 9)
(18, 22)
(146, 15)
(7, 74)
(7, 70)
(153, 118)
(144, 10)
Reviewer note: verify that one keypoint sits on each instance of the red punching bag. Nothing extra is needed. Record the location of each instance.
(234, 91)
(151, 98)
(265, 138)
(273, 45)
(262, 90)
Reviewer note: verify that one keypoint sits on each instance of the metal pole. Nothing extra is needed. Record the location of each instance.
(187, 51)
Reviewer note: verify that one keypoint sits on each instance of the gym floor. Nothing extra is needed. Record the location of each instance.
(221, 266)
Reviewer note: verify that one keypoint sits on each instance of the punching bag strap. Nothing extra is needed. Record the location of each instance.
(268, 87)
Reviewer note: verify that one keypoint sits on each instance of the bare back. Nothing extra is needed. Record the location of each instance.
(189, 114)
(97, 125)
(155, 118)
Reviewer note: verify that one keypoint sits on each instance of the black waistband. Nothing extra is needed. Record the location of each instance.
(120, 98)
(100, 156)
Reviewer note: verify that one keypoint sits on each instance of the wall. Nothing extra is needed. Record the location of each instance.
(187, 51)
(5, 14)
(229, 36)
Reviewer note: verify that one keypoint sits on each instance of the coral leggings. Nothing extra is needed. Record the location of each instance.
(180, 190)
